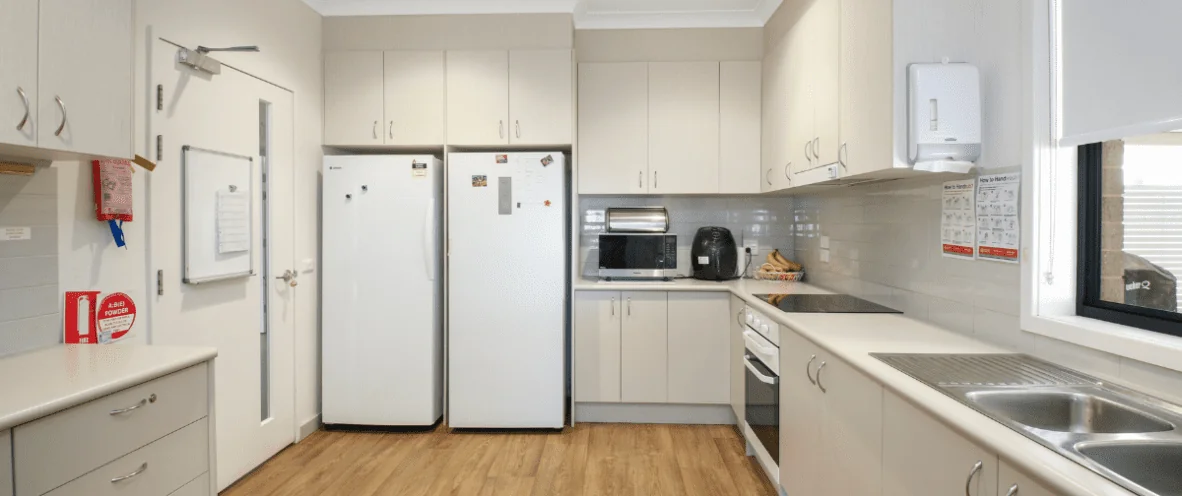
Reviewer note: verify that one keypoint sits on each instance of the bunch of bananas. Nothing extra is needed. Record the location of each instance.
(778, 264)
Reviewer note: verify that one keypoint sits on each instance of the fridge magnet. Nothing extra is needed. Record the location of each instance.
(479, 181)
(418, 169)
(502, 159)
(547, 203)
(547, 160)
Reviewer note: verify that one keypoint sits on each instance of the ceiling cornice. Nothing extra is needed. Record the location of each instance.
(583, 19)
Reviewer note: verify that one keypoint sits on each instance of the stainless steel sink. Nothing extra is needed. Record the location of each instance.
(1156, 467)
(1126, 436)
(1081, 411)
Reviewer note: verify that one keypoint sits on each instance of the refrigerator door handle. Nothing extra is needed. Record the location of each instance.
(429, 240)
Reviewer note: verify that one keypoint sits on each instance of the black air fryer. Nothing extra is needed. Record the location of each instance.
(714, 255)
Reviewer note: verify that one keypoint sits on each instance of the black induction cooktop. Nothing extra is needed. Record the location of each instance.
(823, 303)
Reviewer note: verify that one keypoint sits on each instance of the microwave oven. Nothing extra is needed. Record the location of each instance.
(637, 256)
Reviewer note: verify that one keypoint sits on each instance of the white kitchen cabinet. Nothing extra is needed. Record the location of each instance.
(644, 347)
(802, 417)
(6, 463)
(739, 127)
(738, 349)
(540, 103)
(597, 320)
(799, 123)
(923, 456)
(18, 73)
(478, 97)
(85, 60)
(825, 49)
(613, 128)
(353, 94)
(865, 86)
(415, 98)
(699, 362)
(1012, 482)
(775, 171)
(683, 127)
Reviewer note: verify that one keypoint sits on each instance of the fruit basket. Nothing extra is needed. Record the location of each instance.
(779, 268)
(779, 276)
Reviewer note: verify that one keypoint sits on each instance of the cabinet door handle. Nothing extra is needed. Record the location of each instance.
(375, 129)
(613, 306)
(144, 402)
(391, 129)
(787, 171)
(629, 306)
(739, 318)
(808, 369)
(138, 471)
(501, 129)
(968, 483)
(21, 91)
(655, 179)
(65, 117)
(808, 154)
(640, 179)
(819, 369)
(817, 148)
(518, 124)
(842, 153)
(1013, 490)
(768, 177)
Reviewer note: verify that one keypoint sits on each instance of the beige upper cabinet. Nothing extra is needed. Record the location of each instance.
(597, 319)
(865, 86)
(824, 45)
(353, 113)
(739, 127)
(699, 345)
(415, 93)
(613, 128)
(775, 171)
(18, 72)
(85, 77)
(540, 103)
(683, 127)
(478, 97)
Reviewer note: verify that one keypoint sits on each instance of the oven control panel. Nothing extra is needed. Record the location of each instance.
(760, 323)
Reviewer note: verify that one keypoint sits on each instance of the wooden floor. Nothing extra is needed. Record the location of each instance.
(590, 459)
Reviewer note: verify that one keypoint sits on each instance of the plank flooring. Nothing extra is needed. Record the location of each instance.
(586, 460)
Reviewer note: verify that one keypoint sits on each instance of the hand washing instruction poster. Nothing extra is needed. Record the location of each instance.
(958, 226)
(998, 228)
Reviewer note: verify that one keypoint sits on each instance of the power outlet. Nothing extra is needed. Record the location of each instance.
(824, 256)
(824, 242)
(751, 245)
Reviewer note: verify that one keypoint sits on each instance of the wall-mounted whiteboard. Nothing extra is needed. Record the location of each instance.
(218, 215)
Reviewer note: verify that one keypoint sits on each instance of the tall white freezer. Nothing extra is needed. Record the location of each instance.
(507, 289)
(382, 314)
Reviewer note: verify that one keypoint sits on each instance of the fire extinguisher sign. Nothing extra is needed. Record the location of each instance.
(90, 321)
(115, 316)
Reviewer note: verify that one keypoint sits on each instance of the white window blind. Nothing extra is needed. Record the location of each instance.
(1121, 68)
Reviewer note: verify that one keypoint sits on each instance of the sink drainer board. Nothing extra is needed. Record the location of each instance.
(1131, 438)
(983, 370)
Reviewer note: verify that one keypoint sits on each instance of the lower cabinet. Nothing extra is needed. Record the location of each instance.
(652, 347)
(1011, 482)
(923, 456)
(738, 349)
(831, 423)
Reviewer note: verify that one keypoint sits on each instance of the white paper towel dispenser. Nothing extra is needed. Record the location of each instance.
(944, 132)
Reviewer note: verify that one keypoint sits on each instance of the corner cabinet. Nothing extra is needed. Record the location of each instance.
(699, 366)
(374, 98)
(519, 97)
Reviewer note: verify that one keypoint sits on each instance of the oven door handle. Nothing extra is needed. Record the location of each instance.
(758, 375)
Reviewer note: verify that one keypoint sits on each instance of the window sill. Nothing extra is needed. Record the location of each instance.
(1154, 348)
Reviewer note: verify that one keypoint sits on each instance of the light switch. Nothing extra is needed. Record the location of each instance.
(307, 265)
(824, 256)
(824, 242)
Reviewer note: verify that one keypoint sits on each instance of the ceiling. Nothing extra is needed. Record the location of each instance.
(588, 14)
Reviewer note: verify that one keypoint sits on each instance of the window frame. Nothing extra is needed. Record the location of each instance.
(1088, 301)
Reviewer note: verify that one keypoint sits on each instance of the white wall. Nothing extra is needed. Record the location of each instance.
(289, 34)
(30, 314)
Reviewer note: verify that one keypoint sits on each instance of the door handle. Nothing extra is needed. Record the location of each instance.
(842, 153)
(613, 306)
(739, 318)
(819, 369)
(144, 402)
(501, 129)
(1013, 490)
(754, 371)
(640, 179)
(21, 91)
(138, 471)
(518, 124)
(768, 177)
(629, 306)
(429, 240)
(808, 154)
(655, 179)
(289, 276)
(787, 171)
(65, 117)
(391, 129)
(817, 148)
(808, 369)
(968, 483)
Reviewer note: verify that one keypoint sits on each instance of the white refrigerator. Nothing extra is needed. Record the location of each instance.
(507, 289)
(382, 314)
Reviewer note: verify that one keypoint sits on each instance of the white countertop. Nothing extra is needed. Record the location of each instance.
(42, 382)
(852, 337)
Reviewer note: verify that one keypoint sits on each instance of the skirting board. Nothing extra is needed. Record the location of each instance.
(640, 413)
(307, 428)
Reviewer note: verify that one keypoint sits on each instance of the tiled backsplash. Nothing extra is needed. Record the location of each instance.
(29, 313)
(766, 220)
(884, 247)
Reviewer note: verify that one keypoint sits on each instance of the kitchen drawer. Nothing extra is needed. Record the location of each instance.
(154, 470)
(5, 463)
(56, 449)
(195, 487)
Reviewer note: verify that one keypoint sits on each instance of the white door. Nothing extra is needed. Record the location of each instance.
(597, 346)
(254, 382)
(353, 98)
(683, 127)
(825, 48)
(802, 416)
(851, 429)
(415, 97)
(739, 144)
(644, 347)
(478, 97)
(18, 72)
(540, 97)
(613, 128)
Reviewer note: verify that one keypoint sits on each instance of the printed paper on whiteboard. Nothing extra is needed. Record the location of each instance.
(999, 231)
(958, 223)
(233, 218)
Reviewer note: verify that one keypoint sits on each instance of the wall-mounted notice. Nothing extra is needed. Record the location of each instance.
(998, 228)
(958, 225)
(16, 233)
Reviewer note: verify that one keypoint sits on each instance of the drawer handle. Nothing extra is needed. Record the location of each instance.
(144, 402)
(1013, 490)
(138, 471)
(968, 483)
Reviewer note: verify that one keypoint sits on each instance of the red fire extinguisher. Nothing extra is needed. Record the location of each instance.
(113, 195)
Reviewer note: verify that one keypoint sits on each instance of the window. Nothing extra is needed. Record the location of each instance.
(1130, 232)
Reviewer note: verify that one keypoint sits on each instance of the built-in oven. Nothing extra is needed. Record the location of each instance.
(762, 396)
(637, 256)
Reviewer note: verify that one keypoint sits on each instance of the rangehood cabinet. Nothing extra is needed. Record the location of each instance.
(835, 83)
(66, 72)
